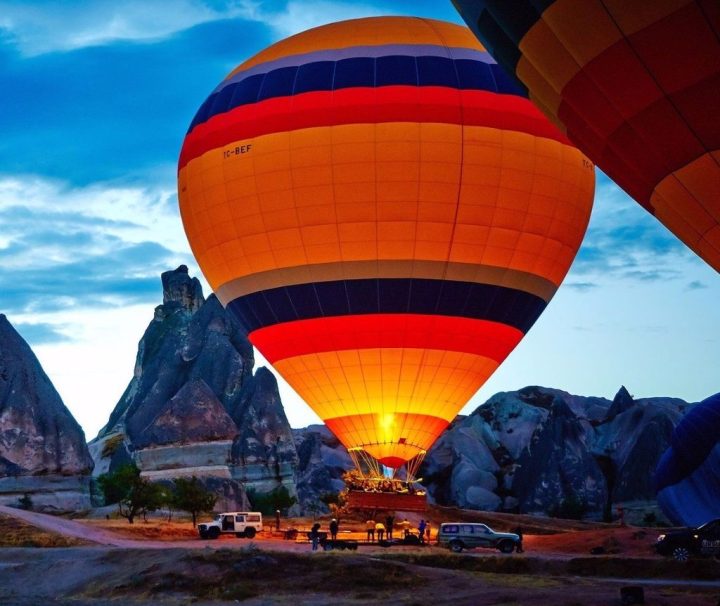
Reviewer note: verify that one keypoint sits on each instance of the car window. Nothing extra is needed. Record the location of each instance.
(467, 529)
(239, 518)
(450, 529)
(482, 528)
(253, 518)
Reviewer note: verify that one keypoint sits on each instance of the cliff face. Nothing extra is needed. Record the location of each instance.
(193, 405)
(532, 449)
(42, 448)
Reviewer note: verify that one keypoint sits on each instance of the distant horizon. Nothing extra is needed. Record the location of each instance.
(97, 98)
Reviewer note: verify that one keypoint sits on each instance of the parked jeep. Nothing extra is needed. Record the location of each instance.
(239, 523)
(459, 536)
(682, 544)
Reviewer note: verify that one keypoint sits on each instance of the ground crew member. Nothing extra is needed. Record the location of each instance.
(370, 527)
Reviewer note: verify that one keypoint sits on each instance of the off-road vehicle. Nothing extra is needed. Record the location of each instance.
(687, 542)
(240, 523)
(463, 535)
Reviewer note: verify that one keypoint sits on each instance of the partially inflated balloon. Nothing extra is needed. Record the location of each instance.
(688, 475)
(387, 216)
(635, 85)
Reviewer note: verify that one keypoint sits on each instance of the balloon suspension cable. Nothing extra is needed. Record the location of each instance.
(413, 465)
(368, 467)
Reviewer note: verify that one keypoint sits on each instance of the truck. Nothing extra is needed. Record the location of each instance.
(240, 523)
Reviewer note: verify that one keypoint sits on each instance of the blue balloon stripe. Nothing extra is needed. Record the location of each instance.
(388, 296)
(371, 72)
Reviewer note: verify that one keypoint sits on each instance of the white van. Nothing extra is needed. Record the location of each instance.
(240, 523)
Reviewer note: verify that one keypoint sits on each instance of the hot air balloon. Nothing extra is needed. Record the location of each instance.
(635, 85)
(386, 215)
(688, 475)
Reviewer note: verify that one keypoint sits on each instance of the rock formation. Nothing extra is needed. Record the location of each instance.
(322, 461)
(534, 449)
(42, 448)
(193, 405)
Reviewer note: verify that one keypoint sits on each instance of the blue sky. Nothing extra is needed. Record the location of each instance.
(96, 98)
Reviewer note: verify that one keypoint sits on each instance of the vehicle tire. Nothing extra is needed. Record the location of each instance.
(681, 554)
(203, 534)
(250, 533)
(213, 533)
(456, 546)
(506, 546)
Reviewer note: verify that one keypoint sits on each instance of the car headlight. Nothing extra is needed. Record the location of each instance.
(661, 538)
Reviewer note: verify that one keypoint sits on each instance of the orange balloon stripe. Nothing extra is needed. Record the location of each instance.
(368, 105)
(383, 435)
(481, 337)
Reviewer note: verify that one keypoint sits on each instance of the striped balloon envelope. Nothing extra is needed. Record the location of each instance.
(635, 85)
(387, 216)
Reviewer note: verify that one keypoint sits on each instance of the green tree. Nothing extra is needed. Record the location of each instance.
(191, 496)
(268, 502)
(133, 494)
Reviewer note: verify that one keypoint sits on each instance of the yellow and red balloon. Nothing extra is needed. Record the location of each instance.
(635, 85)
(386, 214)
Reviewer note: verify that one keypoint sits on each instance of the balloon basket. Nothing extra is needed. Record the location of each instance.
(388, 501)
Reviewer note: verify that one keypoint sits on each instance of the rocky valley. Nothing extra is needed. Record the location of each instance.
(196, 406)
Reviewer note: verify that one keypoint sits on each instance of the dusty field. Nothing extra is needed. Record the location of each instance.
(163, 563)
(85, 576)
(16, 533)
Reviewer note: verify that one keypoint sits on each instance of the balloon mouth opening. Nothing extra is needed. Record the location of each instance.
(393, 462)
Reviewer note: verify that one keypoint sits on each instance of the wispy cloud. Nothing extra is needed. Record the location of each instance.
(55, 25)
(42, 333)
(624, 241)
(74, 248)
(696, 285)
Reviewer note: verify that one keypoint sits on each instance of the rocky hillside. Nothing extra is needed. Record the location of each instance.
(194, 406)
(536, 449)
(42, 448)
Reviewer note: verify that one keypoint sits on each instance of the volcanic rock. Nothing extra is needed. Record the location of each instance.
(41, 444)
(193, 405)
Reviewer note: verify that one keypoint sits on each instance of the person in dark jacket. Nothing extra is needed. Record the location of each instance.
(421, 530)
(333, 529)
(315, 536)
(389, 522)
(519, 546)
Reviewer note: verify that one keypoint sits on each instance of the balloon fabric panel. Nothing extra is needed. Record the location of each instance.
(386, 215)
(635, 85)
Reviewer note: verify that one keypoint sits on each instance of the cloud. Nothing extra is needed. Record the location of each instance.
(624, 241)
(41, 333)
(581, 286)
(696, 285)
(299, 16)
(56, 26)
(80, 248)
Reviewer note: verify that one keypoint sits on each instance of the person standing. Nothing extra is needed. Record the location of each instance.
(334, 529)
(370, 527)
(519, 545)
(379, 531)
(315, 536)
(427, 533)
(421, 530)
(389, 523)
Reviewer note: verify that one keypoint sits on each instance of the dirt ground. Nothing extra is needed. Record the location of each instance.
(163, 563)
